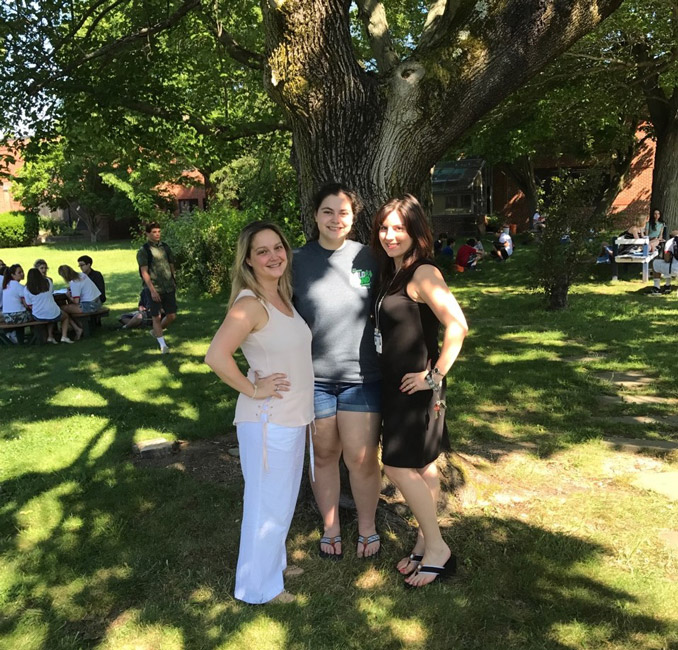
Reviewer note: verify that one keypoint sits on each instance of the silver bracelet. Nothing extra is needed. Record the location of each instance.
(254, 395)
(431, 382)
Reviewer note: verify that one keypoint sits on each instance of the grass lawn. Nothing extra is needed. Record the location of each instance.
(557, 547)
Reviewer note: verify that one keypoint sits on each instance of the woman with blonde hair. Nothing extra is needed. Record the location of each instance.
(274, 406)
(83, 293)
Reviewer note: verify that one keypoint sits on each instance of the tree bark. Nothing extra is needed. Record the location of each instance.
(665, 173)
(381, 133)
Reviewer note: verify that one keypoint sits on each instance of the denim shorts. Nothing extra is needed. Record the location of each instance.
(89, 306)
(330, 397)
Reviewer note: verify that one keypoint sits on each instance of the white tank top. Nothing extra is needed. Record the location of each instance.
(282, 345)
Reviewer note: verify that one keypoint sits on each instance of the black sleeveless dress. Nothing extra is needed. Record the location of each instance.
(414, 431)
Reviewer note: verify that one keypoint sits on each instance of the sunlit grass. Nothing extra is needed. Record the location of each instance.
(557, 547)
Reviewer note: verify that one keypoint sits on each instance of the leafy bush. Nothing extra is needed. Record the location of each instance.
(18, 229)
(564, 246)
(204, 244)
(54, 226)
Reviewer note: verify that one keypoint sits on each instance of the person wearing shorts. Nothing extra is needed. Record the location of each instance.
(666, 267)
(156, 267)
(333, 280)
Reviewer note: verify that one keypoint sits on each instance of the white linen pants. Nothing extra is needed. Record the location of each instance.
(268, 505)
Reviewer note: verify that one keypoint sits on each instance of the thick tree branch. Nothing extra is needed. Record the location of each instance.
(373, 16)
(248, 58)
(438, 21)
(253, 60)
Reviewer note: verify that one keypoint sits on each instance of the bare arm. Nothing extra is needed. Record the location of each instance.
(428, 286)
(247, 315)
(145, 276)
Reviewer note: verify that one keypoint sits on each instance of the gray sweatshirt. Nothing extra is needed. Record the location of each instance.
(333, 294)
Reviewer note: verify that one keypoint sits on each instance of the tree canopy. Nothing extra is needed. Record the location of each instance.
(373, 93)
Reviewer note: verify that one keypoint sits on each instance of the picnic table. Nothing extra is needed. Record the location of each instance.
(641, 255)
(38, 328)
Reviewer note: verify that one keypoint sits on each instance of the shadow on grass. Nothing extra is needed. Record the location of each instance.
(149, 556)
(98, 551)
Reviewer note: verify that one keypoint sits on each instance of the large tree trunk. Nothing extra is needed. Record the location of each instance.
(665, 173)
(381, 133)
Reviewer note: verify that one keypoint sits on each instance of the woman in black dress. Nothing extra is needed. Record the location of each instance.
(412, 304)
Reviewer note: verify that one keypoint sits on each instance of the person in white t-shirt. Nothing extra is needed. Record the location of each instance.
(13, 306)
(83, 293)
(40, 301)
(503, 247)
(667, 267)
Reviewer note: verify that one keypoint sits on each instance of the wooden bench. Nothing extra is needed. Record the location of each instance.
(644, 258)
(38, 334)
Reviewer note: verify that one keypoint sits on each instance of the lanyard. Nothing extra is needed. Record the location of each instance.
(380, 300)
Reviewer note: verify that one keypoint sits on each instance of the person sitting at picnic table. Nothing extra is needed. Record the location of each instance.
(85, 264)
(503, 247)
(41, 265)
(39, 299)
(655, 230)
(666, 267)
(83, 293)
(13, 305)
(468, 255)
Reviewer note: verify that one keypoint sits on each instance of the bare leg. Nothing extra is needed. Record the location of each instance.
(65, 322)
(359, 434)
(50, 332)
(167, 320)
(327, 450)
(417, 492)
(157, 327)
(430, 476)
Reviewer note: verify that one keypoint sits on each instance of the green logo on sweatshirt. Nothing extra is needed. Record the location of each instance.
(361, 278)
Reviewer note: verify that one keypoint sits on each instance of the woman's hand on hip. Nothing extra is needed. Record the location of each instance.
(271, 385)
(413, 382)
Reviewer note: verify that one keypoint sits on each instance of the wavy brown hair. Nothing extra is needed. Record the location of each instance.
(412, 215)
(68, 273)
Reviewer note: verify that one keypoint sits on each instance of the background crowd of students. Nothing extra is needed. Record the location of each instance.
(35, 301)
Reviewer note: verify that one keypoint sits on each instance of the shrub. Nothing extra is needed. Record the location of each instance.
(18, 229)
(204, 244)
(54, 226)
(565, 243)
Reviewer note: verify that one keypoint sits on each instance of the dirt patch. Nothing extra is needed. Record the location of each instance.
(204, 460)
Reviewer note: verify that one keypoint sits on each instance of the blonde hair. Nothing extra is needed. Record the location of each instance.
(68, 273)
(242, 276)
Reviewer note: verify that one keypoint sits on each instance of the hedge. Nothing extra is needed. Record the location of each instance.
(18, 229)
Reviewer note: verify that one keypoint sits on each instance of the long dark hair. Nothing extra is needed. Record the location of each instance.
(412, 215)
(335, 189)
(653, 221)
(36, 282)
(9, 272)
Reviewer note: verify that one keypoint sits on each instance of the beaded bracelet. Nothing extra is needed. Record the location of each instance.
(431, 382)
